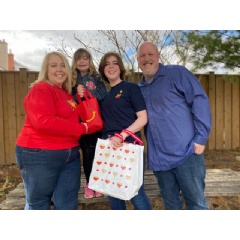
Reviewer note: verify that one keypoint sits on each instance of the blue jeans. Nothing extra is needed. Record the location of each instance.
(88, 145)
(189, 179)
(140, 201)
(50, 175)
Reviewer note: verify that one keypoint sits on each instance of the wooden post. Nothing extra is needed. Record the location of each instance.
(2, 142)
(212, 97)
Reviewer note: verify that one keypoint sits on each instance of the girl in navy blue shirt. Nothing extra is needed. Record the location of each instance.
(123, 108)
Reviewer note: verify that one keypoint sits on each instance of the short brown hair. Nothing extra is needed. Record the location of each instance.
(103, 61)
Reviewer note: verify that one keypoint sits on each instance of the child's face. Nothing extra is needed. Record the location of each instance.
(112, 69)
(83, 64)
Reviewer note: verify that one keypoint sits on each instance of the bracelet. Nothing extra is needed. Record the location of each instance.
(118, 135)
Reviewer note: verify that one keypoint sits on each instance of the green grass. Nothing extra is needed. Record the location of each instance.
(4, 187)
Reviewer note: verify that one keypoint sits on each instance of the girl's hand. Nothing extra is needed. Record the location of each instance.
(117, 142)
(86, 126)
(81, 90)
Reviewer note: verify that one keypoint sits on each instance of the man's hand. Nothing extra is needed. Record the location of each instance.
(198, 149)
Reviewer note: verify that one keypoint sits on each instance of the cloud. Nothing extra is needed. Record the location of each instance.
(30, 46)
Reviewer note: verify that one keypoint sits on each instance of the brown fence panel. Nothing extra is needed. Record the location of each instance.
(14, 86)
(224, 97)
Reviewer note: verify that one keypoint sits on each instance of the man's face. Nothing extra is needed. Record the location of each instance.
(148, 59)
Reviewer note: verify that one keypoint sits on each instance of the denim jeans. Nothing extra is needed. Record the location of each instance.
(189, 179)
(50, 175)
(140, 201)
(88, 145)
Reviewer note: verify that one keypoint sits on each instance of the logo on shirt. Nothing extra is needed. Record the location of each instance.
(119, 94)
(72, 103)
(91, 85)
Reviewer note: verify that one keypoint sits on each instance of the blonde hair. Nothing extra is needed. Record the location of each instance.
(82, 52)
(43, 74)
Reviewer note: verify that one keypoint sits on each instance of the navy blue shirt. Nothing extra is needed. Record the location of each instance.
(119, 107)
(178, 116)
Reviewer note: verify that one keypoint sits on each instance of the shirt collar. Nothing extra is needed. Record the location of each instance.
(160, 72)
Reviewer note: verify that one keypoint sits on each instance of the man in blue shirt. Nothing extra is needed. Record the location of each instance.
(179, 123)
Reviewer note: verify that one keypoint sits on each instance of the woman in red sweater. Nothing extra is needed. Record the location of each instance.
(47, 149)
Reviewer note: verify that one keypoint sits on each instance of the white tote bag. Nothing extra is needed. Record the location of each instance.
(117, 172)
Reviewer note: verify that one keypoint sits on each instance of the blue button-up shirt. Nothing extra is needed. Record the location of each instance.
(178, 116)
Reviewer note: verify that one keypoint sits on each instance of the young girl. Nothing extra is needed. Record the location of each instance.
(123, 108)
(85, 76)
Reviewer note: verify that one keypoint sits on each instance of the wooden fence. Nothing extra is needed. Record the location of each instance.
(224, 96)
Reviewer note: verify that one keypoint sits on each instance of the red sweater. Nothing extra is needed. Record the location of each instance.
(51, 121)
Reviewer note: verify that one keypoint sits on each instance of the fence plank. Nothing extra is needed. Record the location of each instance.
(212, 99)
(235, 115)
(2, 142)
(219, 113)
(11, 116)
(203, 79)
(23, 89)
(19, 104)
(5, 117)
(31, 77)
(227, 114)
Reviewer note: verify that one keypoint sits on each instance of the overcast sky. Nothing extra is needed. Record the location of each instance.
(29, 47)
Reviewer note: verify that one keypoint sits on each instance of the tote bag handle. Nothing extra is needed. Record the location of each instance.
(134, 136)
(87, 95)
